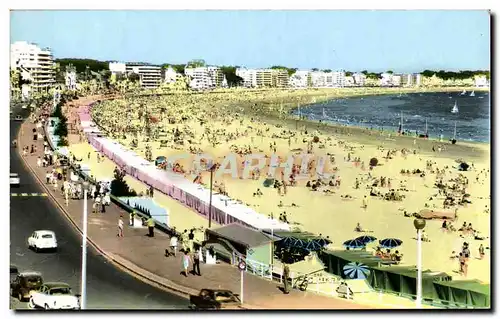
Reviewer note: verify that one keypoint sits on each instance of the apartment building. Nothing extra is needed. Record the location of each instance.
(36, 64)
(204, 78)
(359, 79)
(70, 79)
(149, 75)
(481, 81)
(171, 76)
(249, 77)
(300, 79)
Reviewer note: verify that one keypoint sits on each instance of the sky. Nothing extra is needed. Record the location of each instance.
(373, 40)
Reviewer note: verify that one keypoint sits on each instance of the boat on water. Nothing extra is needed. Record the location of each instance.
(426, 131)
(455, 108)
(472, 93)
(463, 92)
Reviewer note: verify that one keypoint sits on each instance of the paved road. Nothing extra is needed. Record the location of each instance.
(107, 287)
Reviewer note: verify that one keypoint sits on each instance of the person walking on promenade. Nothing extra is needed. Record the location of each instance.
(151, 227)
(185, 262)
(286, 274)
(173, 244)
(120, 226)
(196, 262)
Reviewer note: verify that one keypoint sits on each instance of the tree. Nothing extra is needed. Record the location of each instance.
(82, 64)
(327, 70)
(315, 69)
(348, 73)
(133, 77)
(365, 72)
(119, 186)
(231, 77)
(389, 72)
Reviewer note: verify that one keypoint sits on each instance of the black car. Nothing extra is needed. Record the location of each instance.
(26, 282)
(13, 274)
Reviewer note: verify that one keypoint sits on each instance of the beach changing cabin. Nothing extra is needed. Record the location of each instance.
(234, 241)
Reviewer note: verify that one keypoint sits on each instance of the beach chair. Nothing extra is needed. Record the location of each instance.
(344, 291)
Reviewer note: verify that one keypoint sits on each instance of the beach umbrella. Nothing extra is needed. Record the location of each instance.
(356, 270)
(366, 239)
(354, 243)
(390, 243)
(313, 245)
(323, 241)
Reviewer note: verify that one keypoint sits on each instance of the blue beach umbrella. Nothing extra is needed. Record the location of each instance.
(313, 245)
(366, 239)
(355, 270)
(390, 243)
(354, 243)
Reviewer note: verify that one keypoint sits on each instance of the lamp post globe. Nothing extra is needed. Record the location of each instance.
(419, 223)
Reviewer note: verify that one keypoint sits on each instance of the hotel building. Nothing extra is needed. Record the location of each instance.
(35, 63)
(149, 75)
(204, 78)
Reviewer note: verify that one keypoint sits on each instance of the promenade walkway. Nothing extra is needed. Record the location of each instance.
(144, 256)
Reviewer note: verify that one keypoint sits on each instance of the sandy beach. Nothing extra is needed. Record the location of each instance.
(258, 122)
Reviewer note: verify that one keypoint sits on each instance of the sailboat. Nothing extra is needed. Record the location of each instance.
(324, 114)
(472, 93)
(455, 108)
(463, 92)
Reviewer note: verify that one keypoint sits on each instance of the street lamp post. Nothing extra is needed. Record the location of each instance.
(83, 298)
(419, 226)
(212, 168)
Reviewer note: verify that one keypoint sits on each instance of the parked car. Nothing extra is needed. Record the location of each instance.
(25, 283)
(42, 239)
(54, 295)
(18, 118)
(13, 274)
(14, 179)
(209, 299)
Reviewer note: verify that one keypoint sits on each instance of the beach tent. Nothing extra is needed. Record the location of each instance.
(335, 260)
(402, 280)
(471, 293)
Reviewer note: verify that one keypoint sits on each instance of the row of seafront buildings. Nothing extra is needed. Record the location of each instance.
(37, 65)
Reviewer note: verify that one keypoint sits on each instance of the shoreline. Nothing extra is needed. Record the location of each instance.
(360, 134)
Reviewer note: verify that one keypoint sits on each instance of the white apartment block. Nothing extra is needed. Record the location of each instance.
(263, 77)
(249, 77)
(204, 78)
(34, 61)
(386, 79)
(396, 80)
(171, 76)
(70, 80)
(481, 81)
(300, 79)
(328, 79)
(149, 75)
(359, 79)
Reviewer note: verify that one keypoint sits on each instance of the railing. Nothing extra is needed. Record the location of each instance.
(161, 226)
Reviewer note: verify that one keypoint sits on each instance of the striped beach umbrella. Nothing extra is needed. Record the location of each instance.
(390, 243)
(356, 270)
(354, 243)
(366, 239)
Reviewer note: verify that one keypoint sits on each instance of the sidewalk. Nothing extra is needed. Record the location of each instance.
(144, 256)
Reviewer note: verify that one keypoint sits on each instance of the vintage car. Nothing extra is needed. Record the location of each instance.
(210, 299)
(13, 274)
(42, 239)
(14, 179)
(54, 295)
(25, 283)
(18, 118)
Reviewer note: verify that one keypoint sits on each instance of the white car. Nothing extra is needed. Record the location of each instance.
(42, 239)
(54, 295)
(14, 179)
